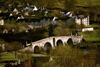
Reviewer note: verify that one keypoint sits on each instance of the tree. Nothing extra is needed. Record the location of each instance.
(1, 48)
(50, 29)
(46, 34)
(8, 47)
(41, 3)
(28, 63)
(65, 56)
(28, 53)
(59, 31)
(0, 51)
(1, 29)
(37, 3)
(69, 57)
(70, 5)
(62, 29)
(93, 10)
(50, 3)
(16, 46)
(75, 26)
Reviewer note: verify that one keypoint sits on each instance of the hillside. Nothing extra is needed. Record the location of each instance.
(80, 2)
(88, 2)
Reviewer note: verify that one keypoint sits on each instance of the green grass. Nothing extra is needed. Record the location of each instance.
(86, 2)
(91, 26)
(91, 38)
(92, 35)
(38, 55)
(8, 57)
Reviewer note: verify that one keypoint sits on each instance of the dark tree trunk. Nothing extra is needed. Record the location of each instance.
(15, 53)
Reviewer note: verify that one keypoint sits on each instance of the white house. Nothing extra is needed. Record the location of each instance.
(26, 14)
(85, 20)
(16, 11)
(35, 8)
(69, 14)
(21, 17)
(81, 18)
(10, 15)
(5, 31)
(1, 22)
(2, 46)
(27, 8)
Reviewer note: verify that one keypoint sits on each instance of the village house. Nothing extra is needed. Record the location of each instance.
(42, 21)
(35, 8)
(70, 19)
(1, 22)
(74, 19)
(20, 17)
(2, 46)
(5, 31)
(26, 13)
(32, 8)
(16, 11)
(77, 19)
(81, 19)
(36, 22)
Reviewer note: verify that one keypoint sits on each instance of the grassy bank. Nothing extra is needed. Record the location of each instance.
(93, 36)
(86, 2)
(8, 57)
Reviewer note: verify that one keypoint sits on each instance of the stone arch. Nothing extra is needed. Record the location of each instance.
(59, 43)
(70, 41)
(36, 49)
(47, 47)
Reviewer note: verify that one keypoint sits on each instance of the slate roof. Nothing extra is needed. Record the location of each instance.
(27, 8)
(79, 16)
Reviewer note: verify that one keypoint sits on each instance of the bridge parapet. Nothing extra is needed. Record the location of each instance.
(81, 36)
(76, 39)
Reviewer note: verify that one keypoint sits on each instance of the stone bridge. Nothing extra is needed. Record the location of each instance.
(53, 42)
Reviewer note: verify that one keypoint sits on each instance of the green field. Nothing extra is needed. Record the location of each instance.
(87, 2)
(8, 57)
(92, 35)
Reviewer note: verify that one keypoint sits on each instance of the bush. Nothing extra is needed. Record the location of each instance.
(69, 57)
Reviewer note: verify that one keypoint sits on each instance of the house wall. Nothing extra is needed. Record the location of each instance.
(85, 21)
(2, 22)
(2, 46)
(78, 21)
